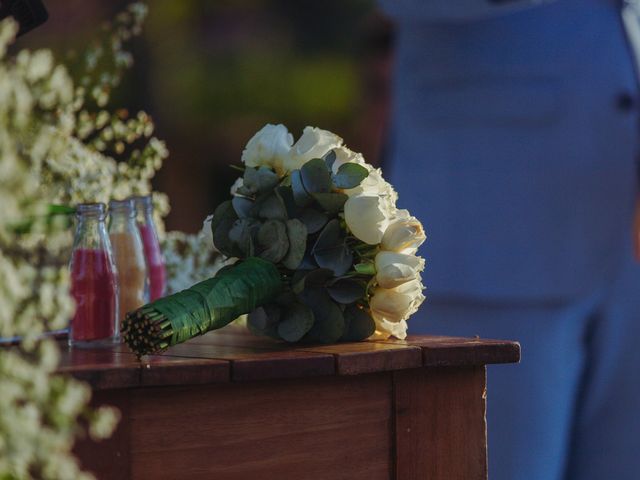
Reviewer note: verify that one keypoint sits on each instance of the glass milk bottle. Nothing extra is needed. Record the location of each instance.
(128, 253)
(152, 252)
(93, 280)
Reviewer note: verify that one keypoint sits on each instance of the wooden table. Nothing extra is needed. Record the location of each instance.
(228, 406)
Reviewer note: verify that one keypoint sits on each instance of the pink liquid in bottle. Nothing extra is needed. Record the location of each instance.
(93, 287)
(155, 262)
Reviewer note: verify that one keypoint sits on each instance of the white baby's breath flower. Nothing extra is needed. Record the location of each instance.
(45, 158)
(40, 65)
(269, 147)
(393, 269)
(103, 423)
(190, 259)
(8, 31)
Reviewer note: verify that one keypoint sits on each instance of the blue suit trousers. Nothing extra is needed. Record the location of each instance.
(569, 411)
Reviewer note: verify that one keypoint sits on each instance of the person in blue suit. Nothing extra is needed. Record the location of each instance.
(514, 139)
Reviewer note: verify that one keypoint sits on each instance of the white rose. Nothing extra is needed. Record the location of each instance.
(313, 143)
(375, 184)
(386, 329)
(393, 269)
(269, 147)
(403, 235)
(396, 304)
(367, 217)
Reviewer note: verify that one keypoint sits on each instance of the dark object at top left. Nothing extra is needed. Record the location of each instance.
(28, 13)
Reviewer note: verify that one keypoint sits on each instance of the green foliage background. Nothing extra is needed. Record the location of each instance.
(212, 73)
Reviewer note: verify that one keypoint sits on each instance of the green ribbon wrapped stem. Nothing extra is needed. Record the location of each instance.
(206, 306)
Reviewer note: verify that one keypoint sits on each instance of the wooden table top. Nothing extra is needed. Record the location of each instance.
(232, 354)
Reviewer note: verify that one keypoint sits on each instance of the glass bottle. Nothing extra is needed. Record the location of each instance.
(151, 245)
(128, 253)
(93, 280)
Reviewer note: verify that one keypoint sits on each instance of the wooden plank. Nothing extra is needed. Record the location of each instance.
(457, 351)
(351, 358)
(440, 421)
(327, 428)
(368, 357)
(250, 363)
(111, 458)
(157, 370)
(236, 335)
(101, 368)
(235, 355)
(107, 368)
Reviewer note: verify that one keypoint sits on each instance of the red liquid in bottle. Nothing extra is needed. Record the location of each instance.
(93, 288)
(155, 263)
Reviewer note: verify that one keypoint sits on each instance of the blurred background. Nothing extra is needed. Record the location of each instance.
(211, 74)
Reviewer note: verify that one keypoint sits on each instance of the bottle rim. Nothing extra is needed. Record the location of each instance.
(91, 209)
(122, 206)
(142, 201)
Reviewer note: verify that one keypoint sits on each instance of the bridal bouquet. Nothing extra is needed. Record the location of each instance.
(323, 254)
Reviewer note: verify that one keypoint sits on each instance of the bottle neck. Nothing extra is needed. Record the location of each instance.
(145, 217)
(91, 233)
(144, 210)
(122, 221)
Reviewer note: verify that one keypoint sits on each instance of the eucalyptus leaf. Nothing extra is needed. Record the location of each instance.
(330, 158)
(330, 250)
(260, 180)
(308, 279)
(286, 195)
(328, 326)
(318, 277)
(350, 175)
(274, 312)
(242, 233)
(347, 290)
(273, 240)
(242, 206)
(300, 195)
(250, 181)
(316, 178)
(297, 280)
(285, 299)
(221, 238)
(259, 319)
(264, 321)
(296, 322)
(308, 262)
(359, 325)
(272, 207)
(313, 219)
(332, 202)
(297, 235)
(331, 236)
(339, 259)
(223, 211)
(243, 191)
